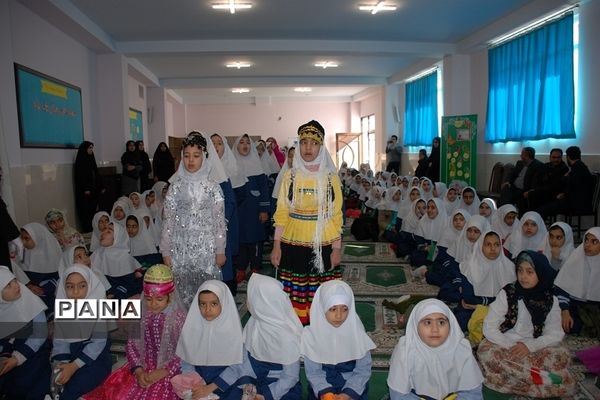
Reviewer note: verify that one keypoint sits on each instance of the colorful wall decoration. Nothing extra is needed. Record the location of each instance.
(459, 149)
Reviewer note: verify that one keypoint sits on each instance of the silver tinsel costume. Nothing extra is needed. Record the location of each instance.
(194, 229)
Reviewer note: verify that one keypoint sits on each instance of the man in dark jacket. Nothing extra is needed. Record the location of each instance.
(526, 176)
(577, 189)
(551, 182)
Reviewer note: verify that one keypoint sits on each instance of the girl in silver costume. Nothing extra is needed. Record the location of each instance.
(194, 228)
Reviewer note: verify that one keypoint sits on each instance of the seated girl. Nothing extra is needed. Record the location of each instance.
(366, 226)
(388, 219)
(64, 234)
(451, 201)
(136, 201)
(433, 360)
(427, 188)
(24, 347)
(211, 343)
(504, 222)
(577, 286)
(469, 200)
(483, 275)
(456, 222)
(79, 255)
(272, 341)
(114, 261)
(81, 352)
(99, 223)
(429, 232)
(335, 346)
(406, 243)
(558, 245)
(529, 236)
(523, 335)
(141, 243)
(40, 261)
(120, 211)
(487, 209)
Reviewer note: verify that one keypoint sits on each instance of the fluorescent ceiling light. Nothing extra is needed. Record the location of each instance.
(302, 89)
(238, 64)
(326, 64)
(240, 90)
(378, 7)
(232, 6)
(421, 74)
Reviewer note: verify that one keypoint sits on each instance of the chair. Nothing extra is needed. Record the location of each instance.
(496, 179)
(592, 213)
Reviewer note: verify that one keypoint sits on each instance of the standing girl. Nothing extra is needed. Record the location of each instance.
(308, 221)
(336, 348)
(433, 360)
(194, 230)
(81, 352)
(24, 366)
(523, 334)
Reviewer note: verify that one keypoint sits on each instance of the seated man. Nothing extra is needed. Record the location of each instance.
(526, 176)
(577, 189)
(551, 182)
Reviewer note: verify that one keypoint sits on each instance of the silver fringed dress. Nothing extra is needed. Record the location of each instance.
(194, 231)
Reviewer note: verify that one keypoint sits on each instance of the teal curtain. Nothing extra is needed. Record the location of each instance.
(421, 112)
(531, 88)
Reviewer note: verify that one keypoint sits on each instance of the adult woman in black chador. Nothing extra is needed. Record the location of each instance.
(163, 163)
(132, 168)
(88, 185)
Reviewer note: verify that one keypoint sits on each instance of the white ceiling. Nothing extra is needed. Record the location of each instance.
(183, 44)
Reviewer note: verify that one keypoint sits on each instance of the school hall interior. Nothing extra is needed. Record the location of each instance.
(169, 63)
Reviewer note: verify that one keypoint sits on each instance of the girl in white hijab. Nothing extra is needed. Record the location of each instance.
(268, 160)
(335, 346)
(375, 197)
(81, 351)
(430, 230)
(451, 200)
(406, 243)
(487, 208)
(392, 200)
(427, 188)
(272, 340)
(289, 159)
(406, 205)
(456, 223)
(229, 161)
(577, 282)
(41, 257)
(25, 370)
(121, 208)
(463, 246)
(99, 222)
(433, 359)
(504, 221)
(79, 255)
(114, 261)
(558, 244)
(141, 242)
(484, 273)
(530, 235)
(469, 200)
(211, 342)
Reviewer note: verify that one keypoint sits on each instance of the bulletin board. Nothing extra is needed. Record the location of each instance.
(459, 149)
(136, 125)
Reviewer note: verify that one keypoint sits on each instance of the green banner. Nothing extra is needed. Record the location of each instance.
(459, 149)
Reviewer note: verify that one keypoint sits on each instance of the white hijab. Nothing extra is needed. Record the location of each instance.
(567, 248)
(159, 199)
(451, 205)
(491, 204)
(230, 165)
(410, 223)
(14, 315)
(580, 275)
(248, 165)
(462, 248)
(68, 259)
(212, 343)
(45, 256)
(322, 342)
(433, 371)
(407, 204)
(375, 197)
(95, 241)
(487, 276)
(273, 332)
(427, 194)
(433, 229)
(451, 234)
(115, 259)
(124, 204)
(519, 242)
(473, 209)
(269, 162)
(281, 174)
(440, 189)
(70, 331)
(142, 243)
(498, 224)
(389, 203)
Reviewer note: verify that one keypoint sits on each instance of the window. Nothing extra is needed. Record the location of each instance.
(421, 111)
(367, 127)
(531, 93)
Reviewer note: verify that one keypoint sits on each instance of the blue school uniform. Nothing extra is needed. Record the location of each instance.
(273, 381)
(48, 282)
(94, 360)
(233, 231)
(31, 379)
(350, 377)
(225, 377)
(568, 302)
(123, 287)
(468, 295)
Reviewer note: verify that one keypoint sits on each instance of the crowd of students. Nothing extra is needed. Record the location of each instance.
(514, 286)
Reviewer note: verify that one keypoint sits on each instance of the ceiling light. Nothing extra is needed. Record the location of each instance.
(326, 64)
(378, 7)
(302, 89)
(240, 90)
(232, 6)
(238, 64)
